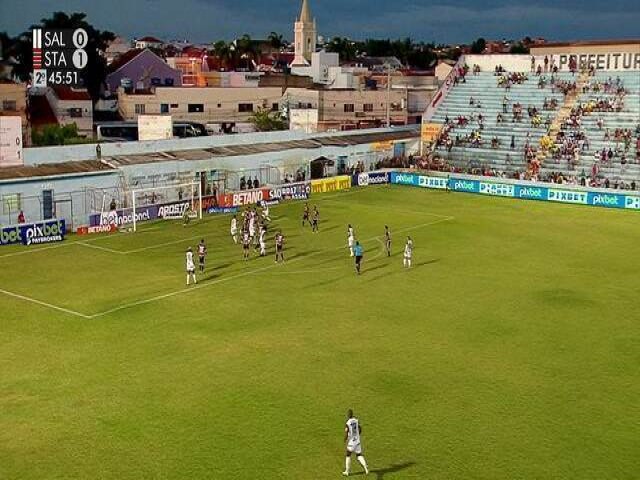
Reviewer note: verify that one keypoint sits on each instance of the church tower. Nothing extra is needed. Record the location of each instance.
(305, 36)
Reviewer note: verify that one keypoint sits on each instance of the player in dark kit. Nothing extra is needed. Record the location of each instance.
(279, 247)
(305, 214)
(202, 253)
(387, 240)
(246, 242)
(315, 218)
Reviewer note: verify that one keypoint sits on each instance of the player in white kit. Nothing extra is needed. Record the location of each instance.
(350, 238)
(263, 243)
(252, 225)
(352, 432)
(191, 268)
(265, 212)
(234, 229)
(408, 252)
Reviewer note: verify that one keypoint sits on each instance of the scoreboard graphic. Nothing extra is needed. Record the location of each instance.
(59, 57)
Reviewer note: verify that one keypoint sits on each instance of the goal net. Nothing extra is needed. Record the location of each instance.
(168, 202)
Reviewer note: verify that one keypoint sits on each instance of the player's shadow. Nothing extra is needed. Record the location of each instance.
(395, 468)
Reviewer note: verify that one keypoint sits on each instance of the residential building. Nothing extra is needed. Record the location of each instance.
(139, 70)
(71, 105)
(208, 105)
(13, 103)
(118, 46)
(350, 109)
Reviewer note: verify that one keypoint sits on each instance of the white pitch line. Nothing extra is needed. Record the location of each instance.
(33, 250)
(159, 245)
(44, 304)
(246, 273)
(98, 247)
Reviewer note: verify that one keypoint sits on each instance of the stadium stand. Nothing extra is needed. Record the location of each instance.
(543, 125)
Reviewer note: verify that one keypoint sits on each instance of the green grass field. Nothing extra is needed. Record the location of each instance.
(510, 351)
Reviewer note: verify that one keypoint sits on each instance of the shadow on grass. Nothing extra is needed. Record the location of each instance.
(380, 473)
(400, 269)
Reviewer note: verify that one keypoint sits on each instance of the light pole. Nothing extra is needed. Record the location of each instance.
(388, 65)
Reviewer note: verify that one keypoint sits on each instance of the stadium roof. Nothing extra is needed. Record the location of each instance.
(257, 148)
(54, 169)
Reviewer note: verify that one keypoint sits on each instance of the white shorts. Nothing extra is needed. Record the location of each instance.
(354, 448)
(191, 270)
(252, 232)
(350, 242)
(263, 245)
(234, 231)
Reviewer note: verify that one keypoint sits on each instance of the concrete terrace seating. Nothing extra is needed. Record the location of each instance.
(628, 118)
(484, 88)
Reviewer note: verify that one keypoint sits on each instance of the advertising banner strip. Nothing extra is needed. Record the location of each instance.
(332, 184)
(369, 178)
(524, 191)
(37, 233)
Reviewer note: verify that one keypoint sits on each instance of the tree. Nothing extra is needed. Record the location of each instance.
(224, 53)
(245, 50)
(267, 121)
(276, 40)
(519, 48)
(93, 74)
(479, 46)
(343, 47)
(57, 135)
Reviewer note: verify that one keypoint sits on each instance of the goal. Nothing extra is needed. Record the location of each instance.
(168, 202)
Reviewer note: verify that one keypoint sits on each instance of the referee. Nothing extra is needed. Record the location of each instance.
(357, 252)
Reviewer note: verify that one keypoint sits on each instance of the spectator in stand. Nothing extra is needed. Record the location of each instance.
(256, 183)
(112, 205)
(21, 218)
(243, 183)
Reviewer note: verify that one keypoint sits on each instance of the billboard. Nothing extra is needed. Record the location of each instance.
(34, 233)
(332, 184)
(430, 131)
(303, 120)
(155, 127)
(11, 142)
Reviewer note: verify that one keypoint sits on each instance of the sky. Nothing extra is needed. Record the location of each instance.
(442, 21)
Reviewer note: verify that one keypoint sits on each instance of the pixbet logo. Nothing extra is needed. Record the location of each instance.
(44, 233)
(606, 200)
(530, 193)
(464, 186)
(632, 202)
(10, 235)
(405, 179)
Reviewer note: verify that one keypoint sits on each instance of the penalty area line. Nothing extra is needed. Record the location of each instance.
(43, 304)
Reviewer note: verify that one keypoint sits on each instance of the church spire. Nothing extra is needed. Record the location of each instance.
(305, 13)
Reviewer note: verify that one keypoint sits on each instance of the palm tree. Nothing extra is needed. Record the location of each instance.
(276, 40)
(224, 52)
(246, 50)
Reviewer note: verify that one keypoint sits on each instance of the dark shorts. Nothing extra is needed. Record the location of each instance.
(201, 260)
(278, 248)
(245, 246)
(358, 260)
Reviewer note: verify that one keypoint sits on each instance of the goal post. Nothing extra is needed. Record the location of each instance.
(166, 202)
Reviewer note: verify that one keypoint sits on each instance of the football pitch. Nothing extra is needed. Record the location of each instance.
(511, 349)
